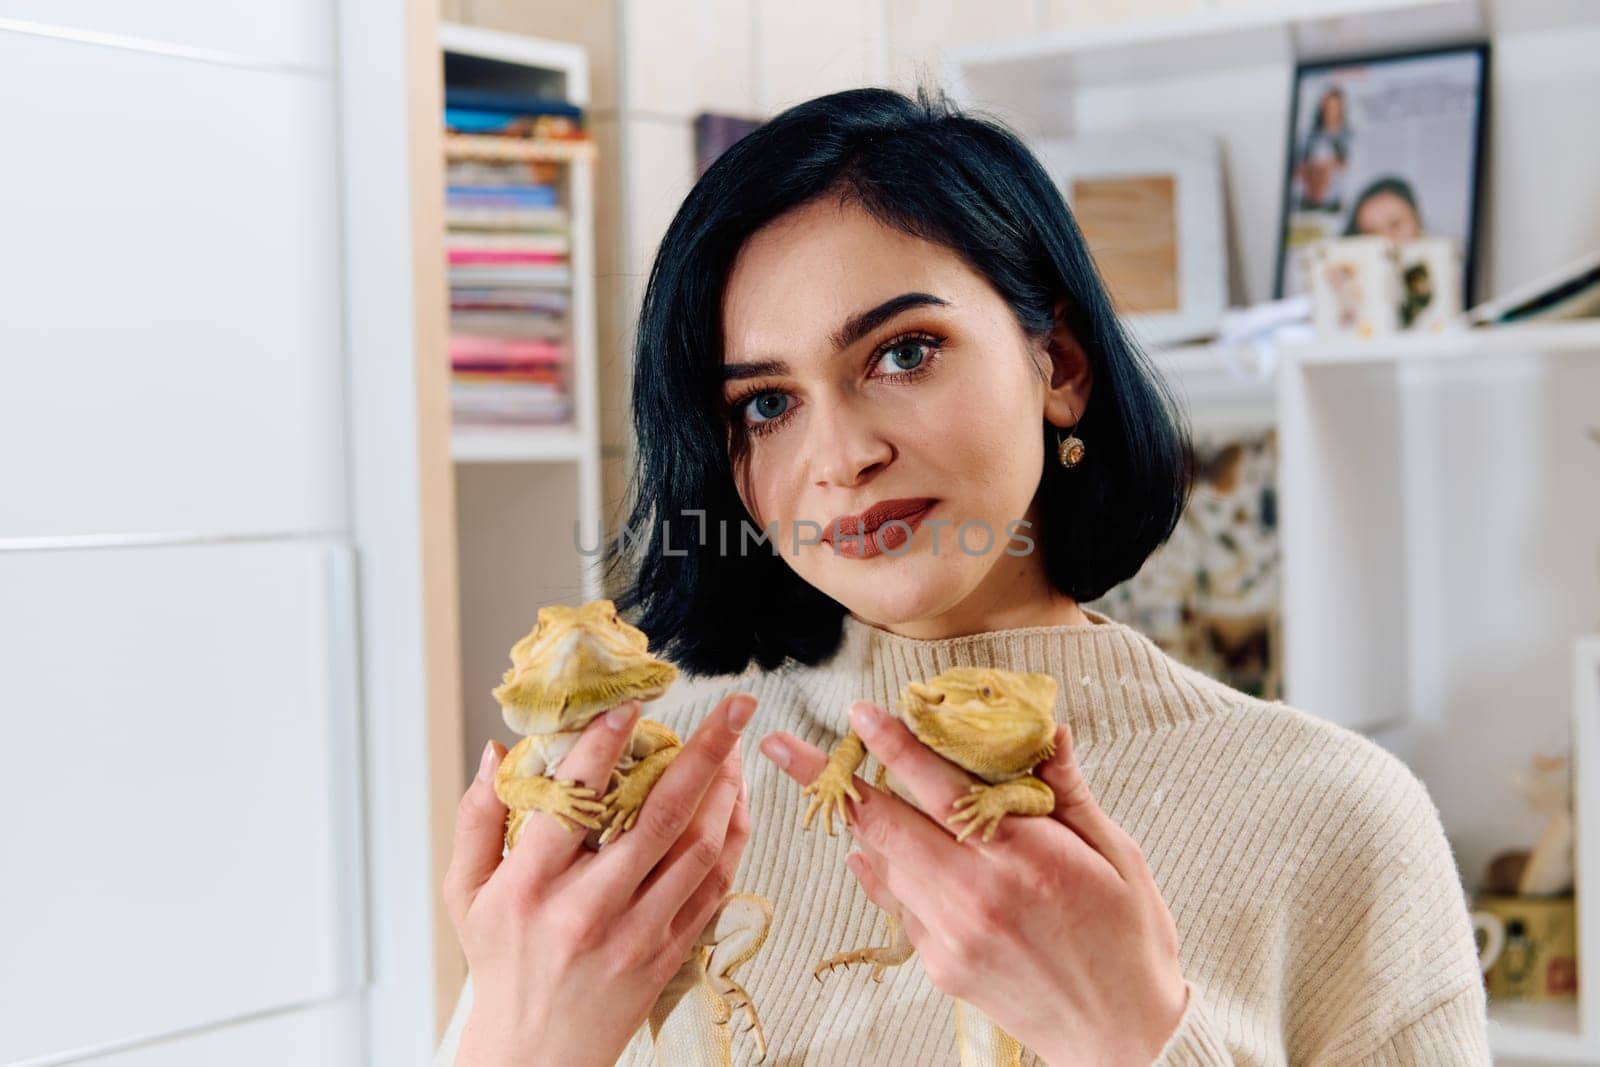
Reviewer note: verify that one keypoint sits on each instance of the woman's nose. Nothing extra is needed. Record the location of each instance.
(846, 449)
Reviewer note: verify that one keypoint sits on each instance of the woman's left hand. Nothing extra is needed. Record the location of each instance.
(1054, 929)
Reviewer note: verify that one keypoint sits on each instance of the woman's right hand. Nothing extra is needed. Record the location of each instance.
(568, 948)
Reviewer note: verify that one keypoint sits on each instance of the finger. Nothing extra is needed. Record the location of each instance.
(861, 865)
(479, 839)
(693, 855)
(799, 760)
(713, 889)
(932, 780)
(673, 802)
(548, 845)
(882, 824)
(1077, 808)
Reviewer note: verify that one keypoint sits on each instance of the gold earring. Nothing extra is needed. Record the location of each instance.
(1069, 451)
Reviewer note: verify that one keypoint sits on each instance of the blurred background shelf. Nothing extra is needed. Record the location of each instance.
(515, 444)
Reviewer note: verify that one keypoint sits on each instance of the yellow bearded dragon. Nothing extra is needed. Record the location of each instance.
(998, 725)
(576, 664)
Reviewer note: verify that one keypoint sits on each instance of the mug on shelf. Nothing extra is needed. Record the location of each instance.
(1529, 949)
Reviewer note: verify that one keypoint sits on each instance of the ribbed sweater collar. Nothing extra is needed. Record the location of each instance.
(1113, 680)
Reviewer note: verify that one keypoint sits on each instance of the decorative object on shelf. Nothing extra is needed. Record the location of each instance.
(1531, 946)
(1386, 145)
(1355, 287)
(1210, 595)
(1547, 869)
(714, 134)
(576, 664)
(1526, 909)
(1548, 789)
(1152, 212)
(1370, 286)
(1573, 292)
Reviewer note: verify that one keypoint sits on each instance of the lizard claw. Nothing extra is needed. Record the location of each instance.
(980, 809)
(828, 792)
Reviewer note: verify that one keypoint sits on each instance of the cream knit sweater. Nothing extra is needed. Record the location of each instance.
(1320, 913)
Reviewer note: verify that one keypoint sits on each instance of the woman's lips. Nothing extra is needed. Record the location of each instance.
(888, 537)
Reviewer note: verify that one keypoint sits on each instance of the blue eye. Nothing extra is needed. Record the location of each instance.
(768, 405)
(898, 358)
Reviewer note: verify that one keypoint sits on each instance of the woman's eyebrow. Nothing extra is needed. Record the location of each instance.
(854, 329)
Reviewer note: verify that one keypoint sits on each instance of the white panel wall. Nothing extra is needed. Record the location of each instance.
(318, 1036)
(171, 333)
(289, 32)
(181, 761)
(180, 736)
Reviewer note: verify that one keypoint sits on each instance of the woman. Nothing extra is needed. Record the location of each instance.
(1386, 208)
(1325, 154)
(872, 299)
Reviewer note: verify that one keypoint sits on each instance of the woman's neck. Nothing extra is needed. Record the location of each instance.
(1026, 600)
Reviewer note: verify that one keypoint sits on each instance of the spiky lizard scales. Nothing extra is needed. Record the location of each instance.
(997, 725)
(575, 664)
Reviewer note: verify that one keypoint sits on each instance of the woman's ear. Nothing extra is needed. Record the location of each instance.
(1071, 376)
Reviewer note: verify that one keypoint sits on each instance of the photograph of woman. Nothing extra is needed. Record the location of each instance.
(1386, 208)
(873, 331)
(1371, 140)
(1319, 171)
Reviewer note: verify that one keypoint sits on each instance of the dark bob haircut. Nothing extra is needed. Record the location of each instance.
(1398, 186)
(961, 180)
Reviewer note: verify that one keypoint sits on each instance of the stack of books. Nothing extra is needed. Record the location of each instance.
(509, 244)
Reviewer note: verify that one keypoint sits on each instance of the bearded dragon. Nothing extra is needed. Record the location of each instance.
(996, 724)
(574, 665)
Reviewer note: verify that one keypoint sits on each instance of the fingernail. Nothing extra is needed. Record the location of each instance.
(854, 862)
(775, 750)
(486, 762)
(620, 717)
(739, 714)
(865, 718)
(744, 789)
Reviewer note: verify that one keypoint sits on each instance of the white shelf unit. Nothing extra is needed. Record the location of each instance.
(526, 497)
(557, 69)
(1439, 513)
(1569, 1032)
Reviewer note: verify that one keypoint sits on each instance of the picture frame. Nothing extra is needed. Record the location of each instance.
(1152, 212)
(1390, 145)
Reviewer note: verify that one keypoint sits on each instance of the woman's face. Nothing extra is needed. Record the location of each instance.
(942, 400)
(1332, 111)
(1388, 215)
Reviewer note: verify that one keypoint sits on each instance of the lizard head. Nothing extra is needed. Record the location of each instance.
(993, 722)
(575, 663)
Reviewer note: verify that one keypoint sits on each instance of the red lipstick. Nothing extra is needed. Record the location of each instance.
(857, 534)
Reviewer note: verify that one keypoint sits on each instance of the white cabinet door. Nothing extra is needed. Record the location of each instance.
(170, 339)
(295, 33)
(322, 1035)
(181, 783)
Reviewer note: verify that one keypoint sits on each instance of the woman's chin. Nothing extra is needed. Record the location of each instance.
(906, 589)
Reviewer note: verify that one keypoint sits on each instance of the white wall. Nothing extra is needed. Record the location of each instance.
(185, 765)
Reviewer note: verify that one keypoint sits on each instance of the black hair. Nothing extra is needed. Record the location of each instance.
(957, 178)
(1398, 186)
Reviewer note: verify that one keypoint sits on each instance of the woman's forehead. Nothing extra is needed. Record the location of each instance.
(796, 281)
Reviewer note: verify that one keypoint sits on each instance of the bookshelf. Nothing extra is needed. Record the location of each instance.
(1439, 498)
(526, 493)
(489, 59)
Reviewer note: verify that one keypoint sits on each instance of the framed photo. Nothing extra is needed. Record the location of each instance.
(1151, 210)
(714, 134)
(1387, 146)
